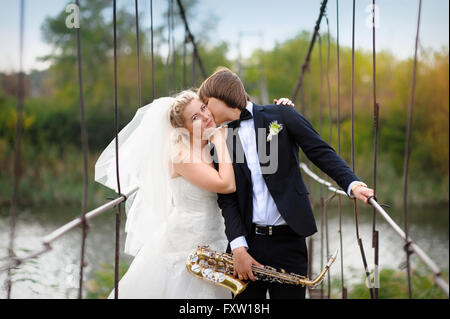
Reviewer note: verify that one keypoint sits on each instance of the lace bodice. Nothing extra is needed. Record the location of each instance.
(196, 218)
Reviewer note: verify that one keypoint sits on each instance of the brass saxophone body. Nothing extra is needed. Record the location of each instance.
(217, 268)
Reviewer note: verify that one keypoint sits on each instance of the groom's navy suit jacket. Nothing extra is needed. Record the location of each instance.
(286, 185)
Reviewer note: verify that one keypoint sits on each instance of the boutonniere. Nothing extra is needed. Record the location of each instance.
(274, 129)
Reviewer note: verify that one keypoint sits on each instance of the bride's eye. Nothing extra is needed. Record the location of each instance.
(203, 108)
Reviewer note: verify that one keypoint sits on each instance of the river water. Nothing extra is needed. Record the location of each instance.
(55, 274)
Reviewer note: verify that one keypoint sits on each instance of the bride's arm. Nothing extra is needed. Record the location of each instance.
(205, 176)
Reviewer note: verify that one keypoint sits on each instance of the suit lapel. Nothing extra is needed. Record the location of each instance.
(259, 122)
(236, 145)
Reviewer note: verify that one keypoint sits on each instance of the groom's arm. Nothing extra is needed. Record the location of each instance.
(234, 228)
(317, 150)
(228, 203)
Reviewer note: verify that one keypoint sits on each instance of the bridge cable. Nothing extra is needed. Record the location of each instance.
(17, 168)
(344, 294)
(408, 152)
(184, 61)
(196, 54)
(308, 55)
(116, 128)
(169, 45)
(152, 49)
(84, 142)
(376, 110)
(174, 52)
(359, 240)
(138, 49)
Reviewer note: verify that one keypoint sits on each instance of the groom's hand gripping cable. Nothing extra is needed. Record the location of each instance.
(360, 191)
(243, 262)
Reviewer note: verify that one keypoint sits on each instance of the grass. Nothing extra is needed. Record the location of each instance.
(394, 285)
(102, 283)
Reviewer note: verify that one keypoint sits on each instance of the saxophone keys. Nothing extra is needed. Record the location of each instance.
(193, 258)
(196, 268)
(219, 277)
(207, 273)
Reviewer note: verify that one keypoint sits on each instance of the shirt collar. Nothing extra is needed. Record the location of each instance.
(249, 107)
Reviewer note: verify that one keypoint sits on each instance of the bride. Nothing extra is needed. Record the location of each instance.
(164, 151)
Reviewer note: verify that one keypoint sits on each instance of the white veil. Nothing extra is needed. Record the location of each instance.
(143, 162)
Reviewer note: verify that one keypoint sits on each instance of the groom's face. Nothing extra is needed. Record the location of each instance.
(217, 108)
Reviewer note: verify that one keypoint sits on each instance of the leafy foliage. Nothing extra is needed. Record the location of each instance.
(52, 119)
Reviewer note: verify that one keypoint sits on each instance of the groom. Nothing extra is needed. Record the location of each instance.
(269, 216)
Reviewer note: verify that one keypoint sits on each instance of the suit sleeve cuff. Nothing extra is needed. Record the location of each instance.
(349, 189)
(238, 242)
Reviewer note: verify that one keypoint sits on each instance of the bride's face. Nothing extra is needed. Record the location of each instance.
(197, 114)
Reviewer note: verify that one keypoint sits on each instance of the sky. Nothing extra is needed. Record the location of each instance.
(254, 24)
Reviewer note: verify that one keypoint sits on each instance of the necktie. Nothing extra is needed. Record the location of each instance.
(245, 115)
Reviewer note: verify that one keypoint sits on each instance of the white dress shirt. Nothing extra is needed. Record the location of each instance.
(265, 211)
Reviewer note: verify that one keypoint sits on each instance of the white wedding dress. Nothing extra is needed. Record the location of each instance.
(167, 218)
(159, 271)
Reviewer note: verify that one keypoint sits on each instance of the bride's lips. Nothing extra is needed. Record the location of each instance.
(209, 123)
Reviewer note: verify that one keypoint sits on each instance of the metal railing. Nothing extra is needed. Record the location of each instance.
(57, 233)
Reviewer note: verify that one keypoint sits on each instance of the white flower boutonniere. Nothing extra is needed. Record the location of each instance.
(274, 129)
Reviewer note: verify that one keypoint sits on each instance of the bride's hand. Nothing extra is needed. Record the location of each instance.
(219, 134)
(284, 101)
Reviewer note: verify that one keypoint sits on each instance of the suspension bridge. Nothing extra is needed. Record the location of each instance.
(410, 247)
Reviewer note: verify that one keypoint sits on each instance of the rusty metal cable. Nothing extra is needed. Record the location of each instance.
(138, 54)
(116, 128)
(353, 89)
(152, 50)
(184, 61)
(327, 241)
(84, 143)
(308, 54)
(408, 152)
(302, 98)
(343, 289)
(196, 54)
(322, 232)
(17, 162)
(375, 243)
(193, 70)
(330, 108)
(338, 80)
(169, 46)
(174, 55)
(359, 240)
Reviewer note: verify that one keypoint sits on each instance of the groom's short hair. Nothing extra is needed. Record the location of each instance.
(225, 86)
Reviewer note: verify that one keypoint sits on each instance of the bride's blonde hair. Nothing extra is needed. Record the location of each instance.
(182, 99)
(180, 145)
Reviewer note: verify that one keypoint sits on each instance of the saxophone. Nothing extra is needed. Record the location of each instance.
(217, 268)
